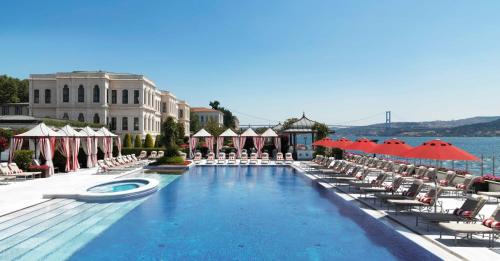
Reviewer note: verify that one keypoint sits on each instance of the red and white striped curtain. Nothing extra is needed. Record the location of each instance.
(277, 144)
(192, 146)
(47, 150)
(119, 145)
(241, 144)
(210, 143)
(87, 148)
(236, 144)
(75, 147)
(95, 148)
(259, 144)
(220, 143)
(64, 149)
(15, 144)
(110, 146)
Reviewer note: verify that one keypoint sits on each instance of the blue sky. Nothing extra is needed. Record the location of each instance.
(339, 61)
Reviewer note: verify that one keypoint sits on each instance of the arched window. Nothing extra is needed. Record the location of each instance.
(81, 118)
(81, 94)
(65, 116)
(65, 93)
(96, 118)
(97, 94)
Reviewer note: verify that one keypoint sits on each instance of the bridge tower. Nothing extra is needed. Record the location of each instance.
(387, 120)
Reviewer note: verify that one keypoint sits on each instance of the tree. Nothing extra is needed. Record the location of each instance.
(169, 132)
(194, 124)
(148, 142)
(288, 122)
(321, 129)
(180, 134)
(214, 105)
(137, 141)
(228, 119)
(127, 141)
(213, 127)
(8, 90)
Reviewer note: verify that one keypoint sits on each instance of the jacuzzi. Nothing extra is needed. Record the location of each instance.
(116, 190)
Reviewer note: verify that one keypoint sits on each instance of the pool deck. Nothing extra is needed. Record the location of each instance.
(424, 235)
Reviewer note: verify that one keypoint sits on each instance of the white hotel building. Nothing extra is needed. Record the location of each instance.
(127, 103)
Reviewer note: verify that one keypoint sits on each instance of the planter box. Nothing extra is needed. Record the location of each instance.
(493, 186)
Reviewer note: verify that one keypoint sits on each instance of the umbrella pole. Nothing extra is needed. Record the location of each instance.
(493, 165)
(482, 168)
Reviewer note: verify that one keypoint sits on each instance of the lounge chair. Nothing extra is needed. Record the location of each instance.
(288, 158)
(450, 176)
(210, 158)
(231, 158)
(142, 155)
(20, 173)
(490, 194)
(279, 158)
(377, 182)
(428, 200)
(161, 153)
(490, 226)
(461, 189)
(386, 188)
(221, 158)
(244, 158)
(253, 158)
(467, 212)
(153, 155)
(6, 173)
(411, 193)
(265, 158)
(197, 158)
(359, 175)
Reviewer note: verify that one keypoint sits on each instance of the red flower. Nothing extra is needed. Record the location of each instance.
(38, 168)
(4, 144)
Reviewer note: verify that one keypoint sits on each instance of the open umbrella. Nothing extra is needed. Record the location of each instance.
(392, 147)
(341, 143)
(322, 142)
(438, 150)
(363, 144)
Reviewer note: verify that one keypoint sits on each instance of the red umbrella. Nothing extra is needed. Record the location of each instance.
(438, 150)
(364, 145)
(323, 142)
(341, 143)
(393, 147)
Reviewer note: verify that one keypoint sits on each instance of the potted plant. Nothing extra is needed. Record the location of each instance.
(40, 168)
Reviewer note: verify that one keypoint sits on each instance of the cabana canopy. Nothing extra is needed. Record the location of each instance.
(249, 133)
(209, 139)
(269, 133)
(89, 132)
(70, 132)
(105, 132)
(69, 146)
(202, 134)
(228, 133)
(39, 131)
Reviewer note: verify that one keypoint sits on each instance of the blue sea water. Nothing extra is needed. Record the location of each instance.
(248, 213)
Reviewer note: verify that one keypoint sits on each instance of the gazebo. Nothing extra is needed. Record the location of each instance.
(258, 141)
(229, 133)
(209, 139)
(69, 147)
(301, 128)
(271, 134)
(90, 145)
(107, 142)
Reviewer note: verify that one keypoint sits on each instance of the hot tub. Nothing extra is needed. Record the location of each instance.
(116, 190)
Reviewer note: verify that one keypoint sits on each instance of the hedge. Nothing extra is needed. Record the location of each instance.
(23, 158)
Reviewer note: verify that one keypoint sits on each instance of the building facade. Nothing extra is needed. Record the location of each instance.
(126, 103)
(206, 114)
(22, 108)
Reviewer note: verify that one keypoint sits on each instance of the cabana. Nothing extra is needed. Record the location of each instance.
(90, 145)
(69, 147)
(271, 134)
(227, 134)
(107, 142)
(258, 141)
(44, 142)
(209, 139)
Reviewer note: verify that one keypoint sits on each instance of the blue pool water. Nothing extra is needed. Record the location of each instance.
(248, 213)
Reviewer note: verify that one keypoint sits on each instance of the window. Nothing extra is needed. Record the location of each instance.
(81, 118)
(136, 123)
(19, 110)
(5, 110)
(96, 118)
(113, 123)
(125, 97)
(124, 123)
(65, 116)
(136, 96)
(47, 96)
(107, 96)
(164, 107)
(181, 113)
(65, 93)
(201, 118)
(81, 94)
(113, 96)
(36, 96)
(97, 94)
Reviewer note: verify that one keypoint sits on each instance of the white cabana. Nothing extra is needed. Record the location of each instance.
(271, 134)
(69, 147)
(209, 139)
(258, 141)
(90, 145)
(107, 142)
(44, 139)
(229, 133)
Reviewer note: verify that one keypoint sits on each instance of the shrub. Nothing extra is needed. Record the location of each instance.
(4, 144)
(23, 158)
(137, 141)
(337, 153)
(159, 141)
(175, 160)
(127, 141)
(149, 143)
(171, 151)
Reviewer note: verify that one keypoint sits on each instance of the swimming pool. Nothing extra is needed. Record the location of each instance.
(242, 213)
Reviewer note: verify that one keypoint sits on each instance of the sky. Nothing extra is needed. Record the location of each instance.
(340, 62)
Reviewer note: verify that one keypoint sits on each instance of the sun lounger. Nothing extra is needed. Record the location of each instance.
(244, 158)
(161, 153)
(6, 173)
(467, 212)
(288, 158)
(142, 155)
(265, 158)
(231, 158)
(253, 158)
(461, 189)
(377, 182)
(489, 226)
(448, 180)
(20, 173)
(428, 200)
(221, 158)
(153, 155)
(210, 158)
(360, 175)
(197, 157)
(279, 158)
(490, 194)
(411, 193)
(385, 188)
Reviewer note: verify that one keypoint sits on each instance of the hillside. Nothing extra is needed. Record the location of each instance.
(476, 126)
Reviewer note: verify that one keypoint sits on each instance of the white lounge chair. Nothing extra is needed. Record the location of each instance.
(153, 155)
(20, 173)
(288, 158)
(244, 158)
(265, 158)
(279, 158)
(211, 158)
(253, 158)
(143, 155)
(197, 158)
(232, 158)
(221, 159)
(161, 153)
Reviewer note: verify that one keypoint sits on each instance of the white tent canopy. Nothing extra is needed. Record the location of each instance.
(269, 133)
(70, 132)
(202, 134)
(249, 133)
(228, 133)
(89, 132)
(39, 131)
(105, 132)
